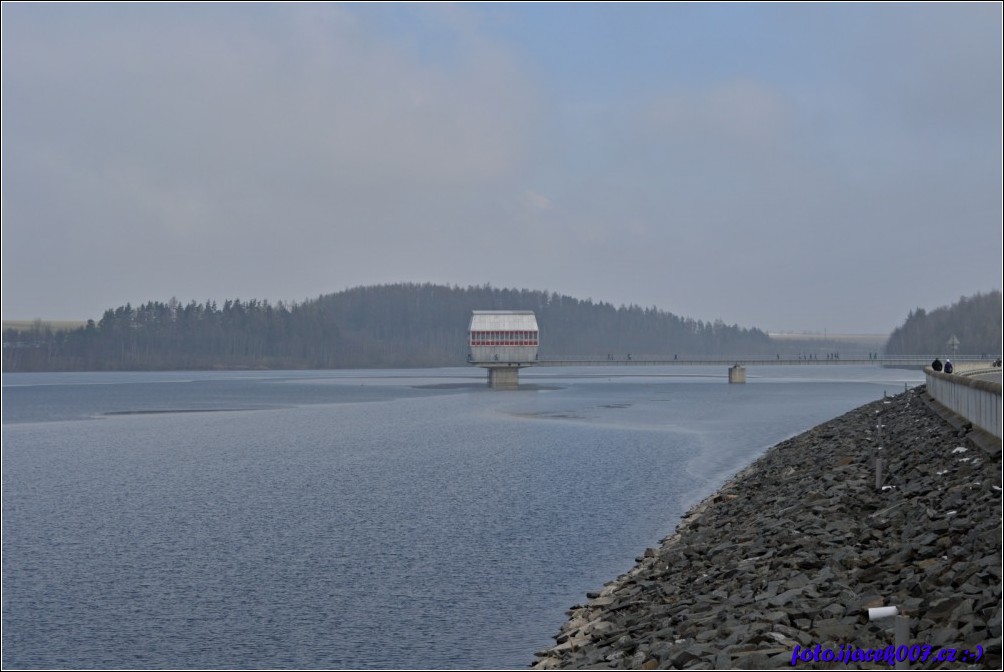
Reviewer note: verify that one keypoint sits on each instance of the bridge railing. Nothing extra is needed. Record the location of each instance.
(752, 360)
(978, 401)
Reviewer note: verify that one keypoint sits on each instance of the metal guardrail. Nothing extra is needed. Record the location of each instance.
(663, 360)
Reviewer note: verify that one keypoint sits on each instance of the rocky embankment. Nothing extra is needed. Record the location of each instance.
(795, 549)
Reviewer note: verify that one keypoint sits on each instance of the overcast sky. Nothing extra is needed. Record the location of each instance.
(790, 167)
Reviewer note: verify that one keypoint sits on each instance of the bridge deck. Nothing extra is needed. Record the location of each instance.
(659, 361)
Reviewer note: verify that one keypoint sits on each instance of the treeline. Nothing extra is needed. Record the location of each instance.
(401, 325)
(158, 335)
(975, 321)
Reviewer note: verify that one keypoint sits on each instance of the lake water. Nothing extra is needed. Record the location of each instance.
(359, 519)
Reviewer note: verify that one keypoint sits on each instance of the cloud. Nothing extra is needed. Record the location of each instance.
(536, 201)
(688, 158)
(743, 112)
(227, 138)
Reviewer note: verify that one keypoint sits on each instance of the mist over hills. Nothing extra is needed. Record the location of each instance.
(397, 325)
(420, 325)
(975, 321)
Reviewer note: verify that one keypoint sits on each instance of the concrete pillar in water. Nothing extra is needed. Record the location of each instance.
(737, 374)
(503, 378)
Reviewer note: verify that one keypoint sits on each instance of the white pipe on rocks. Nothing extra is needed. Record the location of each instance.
(882, 612)
(902, 630)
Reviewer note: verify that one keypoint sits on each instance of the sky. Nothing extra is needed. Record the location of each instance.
(792, 167)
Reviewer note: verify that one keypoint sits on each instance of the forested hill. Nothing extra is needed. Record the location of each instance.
(402, 325)
(975, 321)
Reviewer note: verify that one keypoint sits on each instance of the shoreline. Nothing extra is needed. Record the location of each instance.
(795, 548)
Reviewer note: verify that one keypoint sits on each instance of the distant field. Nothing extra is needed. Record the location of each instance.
(52, 324)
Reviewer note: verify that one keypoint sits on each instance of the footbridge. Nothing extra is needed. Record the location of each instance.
(657, 360)
(737, 365)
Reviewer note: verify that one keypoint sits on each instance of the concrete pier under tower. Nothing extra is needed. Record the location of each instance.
(503, 378)
(737, 374)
